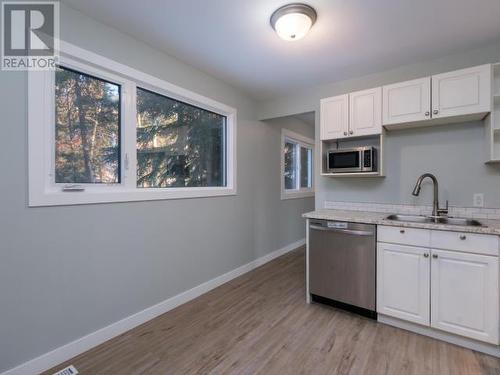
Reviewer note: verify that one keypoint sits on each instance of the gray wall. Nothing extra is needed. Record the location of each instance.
(270, 216)
(455, 153)
(68, 271)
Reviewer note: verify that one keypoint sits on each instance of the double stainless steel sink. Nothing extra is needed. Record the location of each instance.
(435, 220)
(439, 215)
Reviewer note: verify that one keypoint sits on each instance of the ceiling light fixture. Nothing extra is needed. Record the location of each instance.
(293, 21)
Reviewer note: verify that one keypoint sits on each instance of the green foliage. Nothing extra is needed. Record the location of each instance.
(290, 165)
(87, 129)
(177, 144)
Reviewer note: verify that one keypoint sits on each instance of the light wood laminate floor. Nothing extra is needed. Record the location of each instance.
(259, 323)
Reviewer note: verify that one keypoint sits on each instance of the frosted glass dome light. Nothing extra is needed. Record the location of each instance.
(293, 21)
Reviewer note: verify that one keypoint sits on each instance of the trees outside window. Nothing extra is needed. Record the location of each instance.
(178, 145)
(100, 131)
(87, 129)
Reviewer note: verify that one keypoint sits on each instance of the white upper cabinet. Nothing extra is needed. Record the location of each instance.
(458, 96)
(465, 93)
(352, 115)
(334, 115)
(408, 101)
(465, 294)
(462, 92)
(365, 112)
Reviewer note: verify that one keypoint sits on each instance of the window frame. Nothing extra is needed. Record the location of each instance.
(43, 191)
(299, 141)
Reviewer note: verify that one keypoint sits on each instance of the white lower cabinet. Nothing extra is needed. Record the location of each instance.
(456, 290)
(464, 294)
(403, 282)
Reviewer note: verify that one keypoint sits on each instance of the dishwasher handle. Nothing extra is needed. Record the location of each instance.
(345, 231)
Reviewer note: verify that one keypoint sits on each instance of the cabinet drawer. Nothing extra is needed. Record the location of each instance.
(467, 242)
(404, 236)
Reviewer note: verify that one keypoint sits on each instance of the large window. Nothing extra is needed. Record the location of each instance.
(100, 131)
(178, 144)
(296, 165)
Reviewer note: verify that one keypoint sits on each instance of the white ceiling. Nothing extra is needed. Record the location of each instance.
(232, 39)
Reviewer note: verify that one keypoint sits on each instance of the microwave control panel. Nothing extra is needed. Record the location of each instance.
(367, 162)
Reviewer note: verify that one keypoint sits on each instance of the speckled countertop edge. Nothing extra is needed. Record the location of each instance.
(379, 218)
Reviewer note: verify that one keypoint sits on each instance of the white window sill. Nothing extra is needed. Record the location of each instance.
(60, 198)
(296, 194)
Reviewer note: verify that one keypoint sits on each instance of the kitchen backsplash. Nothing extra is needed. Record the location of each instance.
(469, 212)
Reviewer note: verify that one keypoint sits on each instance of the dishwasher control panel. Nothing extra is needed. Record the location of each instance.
(337, 224)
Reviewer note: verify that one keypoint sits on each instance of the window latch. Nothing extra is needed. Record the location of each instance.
(126, 162)
(73, 188)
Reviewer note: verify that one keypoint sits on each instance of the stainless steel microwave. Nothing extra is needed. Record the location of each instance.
(350, 160)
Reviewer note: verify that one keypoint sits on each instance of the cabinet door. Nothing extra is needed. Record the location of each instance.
(365, 112)
(462, 92)
(334, 117)
(408, 101)
(403, 277)
(465, 294)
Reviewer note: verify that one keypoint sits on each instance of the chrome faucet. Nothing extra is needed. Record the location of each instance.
(436, 211)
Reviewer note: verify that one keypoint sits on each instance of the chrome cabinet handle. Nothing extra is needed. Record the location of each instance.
(434, 256)
(463, 237)
(427, 114)
(345, 133)
(402, 231)
(435, 112)
(351, 132)
(426, 255)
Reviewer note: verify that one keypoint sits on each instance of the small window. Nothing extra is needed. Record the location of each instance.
(296, 165)
(178, 145)
(87, 129)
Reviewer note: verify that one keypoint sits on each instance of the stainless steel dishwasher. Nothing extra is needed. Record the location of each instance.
(342, 265)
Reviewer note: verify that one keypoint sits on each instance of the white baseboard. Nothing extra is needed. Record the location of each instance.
(478, 346)
(68, 351)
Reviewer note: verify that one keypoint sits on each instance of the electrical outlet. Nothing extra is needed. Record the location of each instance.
(478, 199)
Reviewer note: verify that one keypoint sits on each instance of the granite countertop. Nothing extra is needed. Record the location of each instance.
(379, 218)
